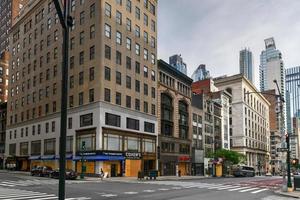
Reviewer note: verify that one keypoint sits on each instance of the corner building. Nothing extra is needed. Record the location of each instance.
(112, 87)
(174, 114)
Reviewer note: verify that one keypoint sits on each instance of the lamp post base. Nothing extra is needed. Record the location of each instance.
(290, 189)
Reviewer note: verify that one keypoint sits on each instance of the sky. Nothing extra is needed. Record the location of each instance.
(212, 32)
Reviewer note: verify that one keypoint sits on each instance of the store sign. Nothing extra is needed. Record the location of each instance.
(184, 158)
(93, 153)
(133, 155)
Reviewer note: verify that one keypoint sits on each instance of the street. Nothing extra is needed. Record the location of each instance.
(14, 186)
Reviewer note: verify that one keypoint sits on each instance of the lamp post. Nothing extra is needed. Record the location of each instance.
(66, 22)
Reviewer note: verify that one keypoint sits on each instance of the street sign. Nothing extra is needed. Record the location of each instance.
(282, 149)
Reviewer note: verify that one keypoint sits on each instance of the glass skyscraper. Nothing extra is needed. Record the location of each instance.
(292, 79)
(200, 73)
(246, 64)
(177, 62)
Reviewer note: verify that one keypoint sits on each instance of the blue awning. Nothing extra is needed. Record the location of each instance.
(48, 157)
(34, 157)
(100, 158)
(68, 156)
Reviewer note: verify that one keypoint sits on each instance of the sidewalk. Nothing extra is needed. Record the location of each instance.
(14, 172)
(294, 194)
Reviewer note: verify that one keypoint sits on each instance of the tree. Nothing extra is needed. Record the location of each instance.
(229, 156)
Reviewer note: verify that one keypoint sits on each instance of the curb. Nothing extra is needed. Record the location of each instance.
(286, 194)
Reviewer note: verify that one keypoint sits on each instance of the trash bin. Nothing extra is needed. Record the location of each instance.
(296, 182)
(141, 175)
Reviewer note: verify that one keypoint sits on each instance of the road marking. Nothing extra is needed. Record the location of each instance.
(247, 190)
(149, 190)
(130, 192)
(176, 188)
(109, 195)
(228, 187)
(46, 198)
(257, 191)
(163, 189)
(79, 198)
(32, 196)
(240, 188)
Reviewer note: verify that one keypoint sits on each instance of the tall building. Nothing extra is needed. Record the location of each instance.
(3, 113)
(295, 139)
(200, 73)
(174, 120)
(9, 10)
(176, 61)
(249, 120)
(4, 61)
(246, 64)
(112, 87)
(292, 80)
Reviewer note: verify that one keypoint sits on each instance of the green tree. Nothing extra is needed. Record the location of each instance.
(229, 156)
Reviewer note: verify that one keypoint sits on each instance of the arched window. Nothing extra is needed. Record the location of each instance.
(166, 115)
(183, 120)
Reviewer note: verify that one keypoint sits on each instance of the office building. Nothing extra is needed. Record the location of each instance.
(112, 87)
(174, 120)
(246, 64)
(249, 120)
(294, 139)
(176, 61)
(200, 73)
(292, 81)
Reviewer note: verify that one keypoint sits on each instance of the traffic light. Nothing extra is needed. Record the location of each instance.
(83, 146)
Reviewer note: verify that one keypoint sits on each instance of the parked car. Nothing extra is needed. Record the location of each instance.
(244, 171)
(70, 174)
(41, 171)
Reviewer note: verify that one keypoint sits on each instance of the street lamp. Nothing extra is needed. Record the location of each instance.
(66, 22)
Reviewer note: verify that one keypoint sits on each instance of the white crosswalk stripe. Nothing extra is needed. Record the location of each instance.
(25, 183)
(17, 194)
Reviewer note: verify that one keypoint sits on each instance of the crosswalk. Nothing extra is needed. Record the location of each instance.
(177, 185)
(9, 183)
(17, 194)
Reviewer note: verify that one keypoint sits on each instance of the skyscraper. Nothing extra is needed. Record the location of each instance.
(177, 62)
(246, 64)
(200, 73)
(292, 80)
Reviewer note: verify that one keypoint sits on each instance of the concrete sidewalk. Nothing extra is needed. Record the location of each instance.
(294, 194)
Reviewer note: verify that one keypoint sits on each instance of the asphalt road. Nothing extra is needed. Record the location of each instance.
(18, 187)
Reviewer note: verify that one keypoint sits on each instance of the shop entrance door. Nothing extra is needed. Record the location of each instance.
(113, 172)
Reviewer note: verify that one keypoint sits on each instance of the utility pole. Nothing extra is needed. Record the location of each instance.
(66, 22)
(287, 139)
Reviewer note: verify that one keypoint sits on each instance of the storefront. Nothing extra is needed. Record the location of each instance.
(184, 165)
(168, 165)
(18, 163)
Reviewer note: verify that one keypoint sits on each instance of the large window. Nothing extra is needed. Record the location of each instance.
(24, 148)
(69, 144)
(89, 140)
(149, 127)
(166, 115)
(49, 146)
(183, 120)
(112, 120)
(133, 124)
(132, 144)
(12, 149)
(112, 142)
(149, 145)
(36, 147)
(86, 120)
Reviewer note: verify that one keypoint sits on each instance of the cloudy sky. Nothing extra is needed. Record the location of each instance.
(213, 32)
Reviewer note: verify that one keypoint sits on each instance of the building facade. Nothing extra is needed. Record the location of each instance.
(3, 114)
(249, 120)
(112, 87)
(292, 81)
(174, 120)
(9, 10)
(176, 61)
(200, 73)
(294, 139)
(4, 61)
(246, 64)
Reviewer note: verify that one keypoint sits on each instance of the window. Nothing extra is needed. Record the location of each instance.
(54, 106)
(153, 25)
(112, 120)
(137, 104)
(145, 71)
(153, 75)
(149, 146)
(73, 5)
(146, 4)
(92, 74)
(145, 20)
(81, 78)
(86, 120)
(107, 73)
(152, 59)
(24, 148)
(128, 5)
(49, 23)
(119, 17)
(137, 31)
(119, 38)
(112, 142)
(128, 43)
(152, 42)
(107, 10)
(118, 78)
(137, 67)
(118, 98)
(92, 32)
(137, 49)
(128, 101)
(153, 109)
(128, 62)
(119, 2)
(145, 54)
(128, 24)
(107, 31)
(92, 11)
(137, 13)
(89, 138)
(145, 89)
(69, 144)
(35, 148)
(132, 124)
(49, 146)
(153, 92)
(91, 95)
(149, 127)
(118, 58)
(166, 115)
(145, 37)
(72, 43)
(92, 52)
(81, 21)
(152, 9)
(137, 85)
(81, 57)
(145, 107)
(132, 144)
(107, 94)
(53, 126)
(81, 37)
(107, 52)
(183, 120)
(128, 82)
(80, 98)
(71, 101)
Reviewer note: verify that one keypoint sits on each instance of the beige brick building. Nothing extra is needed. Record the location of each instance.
(112, 85)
